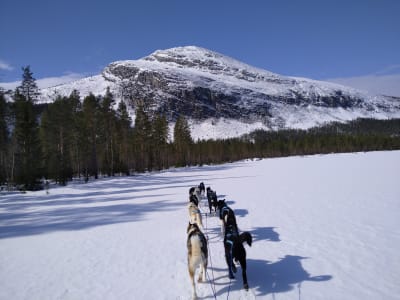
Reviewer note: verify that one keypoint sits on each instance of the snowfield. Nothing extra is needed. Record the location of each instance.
(324, 227)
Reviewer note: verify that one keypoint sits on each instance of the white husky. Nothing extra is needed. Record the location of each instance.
(197, 255)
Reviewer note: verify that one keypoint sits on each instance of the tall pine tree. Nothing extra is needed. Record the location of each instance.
(108, 133)
(56, 132)
(90, 129)
(141, 136)
(4, 140)
(160, 142)
(124, 139)
(28, 87)
(26, 153)
(182, 141)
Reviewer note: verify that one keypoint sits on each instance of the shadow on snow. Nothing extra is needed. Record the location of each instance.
(77, 218)
(35, 213)
(267, 278)
(281, 276)
(265, 233)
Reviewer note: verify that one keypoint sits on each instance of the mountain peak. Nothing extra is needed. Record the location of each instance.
(191, 56)
(192, 52)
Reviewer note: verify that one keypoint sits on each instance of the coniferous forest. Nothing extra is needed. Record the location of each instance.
(85, 138)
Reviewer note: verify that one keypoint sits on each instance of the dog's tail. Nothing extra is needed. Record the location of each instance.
(246, 237)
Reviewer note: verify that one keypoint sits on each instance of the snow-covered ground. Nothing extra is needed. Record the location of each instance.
(324, 227)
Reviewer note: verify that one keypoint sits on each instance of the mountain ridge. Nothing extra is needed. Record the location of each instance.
(211, 88)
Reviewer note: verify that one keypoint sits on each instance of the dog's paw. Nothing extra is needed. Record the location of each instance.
(246, 286)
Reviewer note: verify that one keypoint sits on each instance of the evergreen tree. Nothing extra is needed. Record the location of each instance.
(27, 152)
(108, 133)
(78, 134)
(124, 138)
(56, 132)
(28, 87)
(182, 141)
(90, 130)
(4, 140)
(141, 136)
(160, 142)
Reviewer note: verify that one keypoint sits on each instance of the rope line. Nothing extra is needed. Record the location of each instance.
(212, 282)
(229, 288)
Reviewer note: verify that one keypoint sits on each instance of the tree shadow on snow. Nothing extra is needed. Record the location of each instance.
(77, 218)
(281, 276)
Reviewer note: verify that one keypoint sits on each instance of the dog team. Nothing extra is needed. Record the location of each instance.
(197, 243)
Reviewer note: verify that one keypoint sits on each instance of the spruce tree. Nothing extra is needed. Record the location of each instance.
(78, 134)
(182, 141)
(108, 133)
(3, 139)
(141, 136)
(28, 87)
(90, 130)
(27, 155)
(56, 132)
(160, 141)
(124, 138)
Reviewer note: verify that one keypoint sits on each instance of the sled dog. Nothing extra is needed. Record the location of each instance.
(197, 255)
(226, 215)
(212, 199)
(198, 191)
(234, 250)
(195, 215)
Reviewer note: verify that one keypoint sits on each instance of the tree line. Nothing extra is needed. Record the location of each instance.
(85, 138)
(75, 137)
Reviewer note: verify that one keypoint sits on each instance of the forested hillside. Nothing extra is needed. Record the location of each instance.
(89, 137)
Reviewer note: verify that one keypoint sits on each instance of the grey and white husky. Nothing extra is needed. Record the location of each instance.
(197, 255)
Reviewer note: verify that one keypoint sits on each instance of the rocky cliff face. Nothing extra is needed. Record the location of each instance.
(203, 84)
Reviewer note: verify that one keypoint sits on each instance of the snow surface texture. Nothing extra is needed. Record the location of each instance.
(184, 68)
(324, 227)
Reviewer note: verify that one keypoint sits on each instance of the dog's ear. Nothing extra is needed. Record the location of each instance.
(188, 227)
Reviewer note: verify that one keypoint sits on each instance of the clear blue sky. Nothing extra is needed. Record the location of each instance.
(318, 39)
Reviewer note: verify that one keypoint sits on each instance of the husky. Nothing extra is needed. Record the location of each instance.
(197, 255)
(195, 213)
(194, 199)
(212, 199)
(202, 188)
(226, 215)
(235, 251)
(198, 191)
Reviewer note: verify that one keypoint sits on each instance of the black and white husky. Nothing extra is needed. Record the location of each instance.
(194, 212)
(197, 255)
(226, 215)
(198, 191)
(234, 250)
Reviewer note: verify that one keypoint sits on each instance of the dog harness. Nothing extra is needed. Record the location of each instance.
(222, 211)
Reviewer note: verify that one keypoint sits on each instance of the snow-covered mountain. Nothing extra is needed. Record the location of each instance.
(225, 97)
